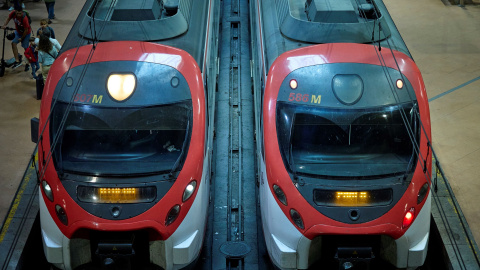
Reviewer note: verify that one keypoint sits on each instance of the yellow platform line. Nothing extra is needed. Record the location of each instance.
(16, 202)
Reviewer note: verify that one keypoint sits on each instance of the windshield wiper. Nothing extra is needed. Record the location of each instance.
(182, 153)
(292, 164)
(409, 166)
(127, 175)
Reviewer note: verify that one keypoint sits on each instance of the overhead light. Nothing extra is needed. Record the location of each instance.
(121, 86)
(399, 84)
(293, 84)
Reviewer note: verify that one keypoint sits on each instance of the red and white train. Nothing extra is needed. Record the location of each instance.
(125, 136)
(343, 135)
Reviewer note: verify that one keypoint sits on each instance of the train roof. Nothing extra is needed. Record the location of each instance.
(168, 22)
(291, 24)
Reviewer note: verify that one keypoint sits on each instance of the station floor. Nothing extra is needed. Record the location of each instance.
(443, 38)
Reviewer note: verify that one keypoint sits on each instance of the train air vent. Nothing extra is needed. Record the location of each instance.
(137, 10)
(331, 11)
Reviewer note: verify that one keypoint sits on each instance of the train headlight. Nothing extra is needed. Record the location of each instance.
(187, 193)
(48, 190)
(422, 193)
(280, 194)
(408, 218)
(121, 86)
(61, 214)
(172, 214)
(297, 218)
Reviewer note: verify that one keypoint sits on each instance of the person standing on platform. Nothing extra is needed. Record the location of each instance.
(47, 33)
(50, 4)
(22, 32)
(46, 54)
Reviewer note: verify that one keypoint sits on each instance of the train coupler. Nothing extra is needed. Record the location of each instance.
(115, 254)
(354, 258)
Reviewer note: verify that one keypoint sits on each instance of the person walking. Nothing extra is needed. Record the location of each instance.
(22, 31)
(46, 54)
(16, 2)
(44, 25)
(50, 4)
(32, 56)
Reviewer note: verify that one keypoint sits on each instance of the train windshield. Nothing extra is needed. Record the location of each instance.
(121, 141)
(348, 143)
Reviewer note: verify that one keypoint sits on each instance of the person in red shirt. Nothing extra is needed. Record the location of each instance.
(22, 31)
(31, 54)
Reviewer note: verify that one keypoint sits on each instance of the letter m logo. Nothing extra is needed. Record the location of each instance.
(316, 99)
(97, 99)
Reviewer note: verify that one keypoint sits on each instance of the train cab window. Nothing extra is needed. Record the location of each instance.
(347, 142)
(127, 141)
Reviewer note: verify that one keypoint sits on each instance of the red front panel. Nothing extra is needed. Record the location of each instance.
(153, 218)
(316, 223)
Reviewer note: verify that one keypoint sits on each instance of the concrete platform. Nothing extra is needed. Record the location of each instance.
(444, 40)
(18, 103)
